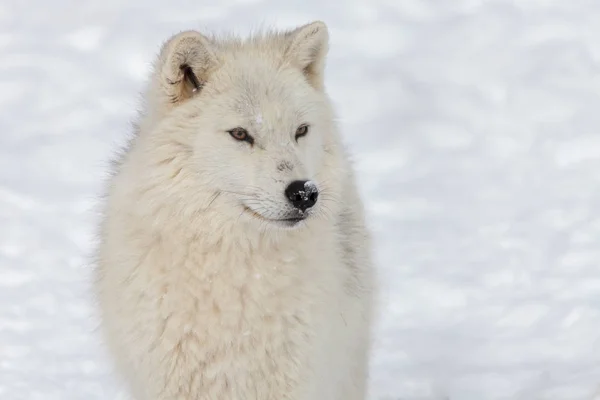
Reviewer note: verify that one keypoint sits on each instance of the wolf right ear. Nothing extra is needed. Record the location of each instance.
(183, 66)
(307, 49)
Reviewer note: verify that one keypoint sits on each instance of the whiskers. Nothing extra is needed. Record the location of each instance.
(328, 202)
(214, 197)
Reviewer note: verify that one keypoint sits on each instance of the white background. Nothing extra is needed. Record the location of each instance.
(476, 132)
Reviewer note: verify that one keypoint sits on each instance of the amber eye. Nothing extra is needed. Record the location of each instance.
(301, 131)
(241, 134)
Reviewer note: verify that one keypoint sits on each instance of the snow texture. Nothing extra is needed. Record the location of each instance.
(310, 187)
(474, 126)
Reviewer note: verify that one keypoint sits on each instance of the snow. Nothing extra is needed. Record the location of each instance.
(310, 187)
(474, 127)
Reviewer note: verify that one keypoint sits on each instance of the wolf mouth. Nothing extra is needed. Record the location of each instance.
(288, 222)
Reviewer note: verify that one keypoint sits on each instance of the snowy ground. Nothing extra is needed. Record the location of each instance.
(476, 129)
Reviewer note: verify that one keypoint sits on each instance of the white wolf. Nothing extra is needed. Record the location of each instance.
(234, 261)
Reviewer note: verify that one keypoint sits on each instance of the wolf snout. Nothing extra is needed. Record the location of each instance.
(302, 194)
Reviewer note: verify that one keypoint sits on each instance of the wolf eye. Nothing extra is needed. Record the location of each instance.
(301, 131)
(241, 134)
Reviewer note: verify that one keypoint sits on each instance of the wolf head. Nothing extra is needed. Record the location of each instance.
(253, 126)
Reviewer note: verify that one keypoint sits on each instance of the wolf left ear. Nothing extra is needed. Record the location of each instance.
(307, 49)
(184, 65)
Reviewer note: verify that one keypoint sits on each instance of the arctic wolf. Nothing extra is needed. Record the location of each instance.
(234, 260)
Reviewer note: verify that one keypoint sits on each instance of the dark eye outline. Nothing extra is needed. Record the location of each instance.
(241, 135)
(301, 131)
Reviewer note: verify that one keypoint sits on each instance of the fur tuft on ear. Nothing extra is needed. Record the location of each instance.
(183, 66)
(307, 49)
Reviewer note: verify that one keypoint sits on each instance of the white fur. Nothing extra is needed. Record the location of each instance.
(204, 295)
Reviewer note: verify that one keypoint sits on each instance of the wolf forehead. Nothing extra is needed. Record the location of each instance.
(263, 92)
(263, 88)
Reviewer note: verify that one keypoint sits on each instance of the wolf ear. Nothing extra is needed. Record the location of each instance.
(183, 66)
(307, 49)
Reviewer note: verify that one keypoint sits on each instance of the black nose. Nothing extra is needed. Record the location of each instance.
(302, 194)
